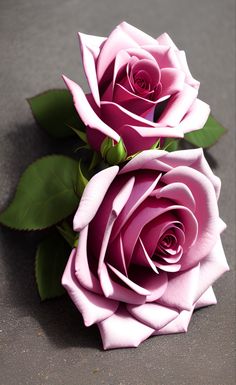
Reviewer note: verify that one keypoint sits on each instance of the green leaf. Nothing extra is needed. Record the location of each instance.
(208, 135)
(45, 195)
(51, 258)
(171, 145)
(54, 111)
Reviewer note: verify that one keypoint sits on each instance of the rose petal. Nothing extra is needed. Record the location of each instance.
(87, 114)
(148, 211)
(165, 39)
(118, 291)
(116, 41)
(181, 290)
(178, 106)
(116, 116)
(165, 56)
(92, 196)
(207, 298)
(184, 65)
(139, 36)
(156, 284)
(206, 211)
(93, 307)
(138, 138)
(178, 325)
(177, 192)
(122, 330)
(144, 185)
(132, 102)
(82, 269)
(138, 289)
(141, 257)
(172, 81)
(195, 117)
(90, 48)
(144, 161)
(211, 268)
(152, 314)
(118, 204)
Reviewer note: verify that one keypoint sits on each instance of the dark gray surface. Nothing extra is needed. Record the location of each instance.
(47, 343)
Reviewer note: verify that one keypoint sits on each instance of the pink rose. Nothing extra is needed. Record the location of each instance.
(141, 89)
(149, 246)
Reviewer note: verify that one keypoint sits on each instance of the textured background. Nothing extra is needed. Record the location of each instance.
(46, 343)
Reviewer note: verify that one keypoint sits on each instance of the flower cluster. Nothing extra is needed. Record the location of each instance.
(145, 247)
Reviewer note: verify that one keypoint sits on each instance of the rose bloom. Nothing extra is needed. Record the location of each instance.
(141, 89)
(149, 246)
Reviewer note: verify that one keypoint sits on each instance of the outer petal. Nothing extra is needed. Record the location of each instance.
(178, 106)
(90, 49)
(139, 36)
(181, 290)
(152, 314)
(196, 117)
(207, 298)
(116, 41)
(165, 39)
(184, 65)
(82, 269)
(211, 268)
(86, 112)
(178, 325)
(93, 195)
(123, 331)
(94, 308)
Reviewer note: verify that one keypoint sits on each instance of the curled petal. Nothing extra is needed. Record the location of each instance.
(86, 112)
(90, 48)
(93, 307)
(178, 106)
(117, 290)
(116, 41)
(195, 117)
(92, 196)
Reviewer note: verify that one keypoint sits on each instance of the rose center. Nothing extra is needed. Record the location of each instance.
(144, 77)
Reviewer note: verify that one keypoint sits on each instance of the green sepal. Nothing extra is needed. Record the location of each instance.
(113, 153)
(96, 159)
(156, 145)
(82, 135)
(106, 144)
(82, 181)
(51, 257)
(67, 233)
